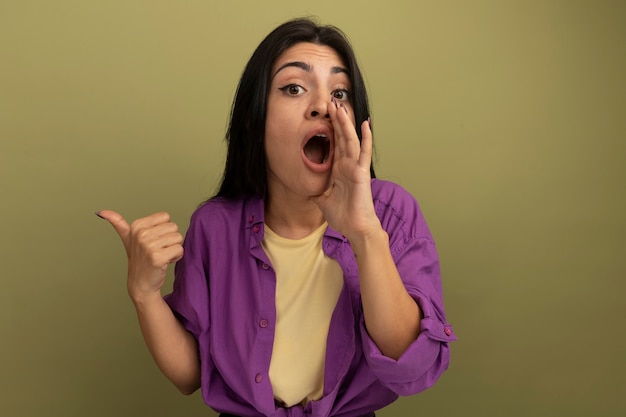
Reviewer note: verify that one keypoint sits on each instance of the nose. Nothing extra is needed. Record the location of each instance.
(319, 106)
(315, 113)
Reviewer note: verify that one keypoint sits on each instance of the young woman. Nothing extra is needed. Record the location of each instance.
(305, 287)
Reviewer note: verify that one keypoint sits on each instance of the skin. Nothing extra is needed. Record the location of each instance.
(151, 244)
(308, 93)
(301, 200)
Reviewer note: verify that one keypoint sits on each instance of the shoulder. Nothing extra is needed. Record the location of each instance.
(398, 210)
(219, 205)
(390, 192)
(393, 198)
(222, 213)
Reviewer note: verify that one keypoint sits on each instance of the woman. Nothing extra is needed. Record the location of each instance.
(306, 287)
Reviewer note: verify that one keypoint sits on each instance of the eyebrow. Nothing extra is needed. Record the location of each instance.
(308, 68)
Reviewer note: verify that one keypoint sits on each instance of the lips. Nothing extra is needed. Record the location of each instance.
(317, 149)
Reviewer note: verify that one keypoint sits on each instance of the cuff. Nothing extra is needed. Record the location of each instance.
(421, 364)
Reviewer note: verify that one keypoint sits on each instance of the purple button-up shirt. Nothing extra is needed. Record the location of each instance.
(224, 294)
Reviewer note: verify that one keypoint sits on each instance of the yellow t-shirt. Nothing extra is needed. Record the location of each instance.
(308, 285)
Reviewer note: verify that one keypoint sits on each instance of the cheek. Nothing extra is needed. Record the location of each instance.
(272, 129)
(281, 128)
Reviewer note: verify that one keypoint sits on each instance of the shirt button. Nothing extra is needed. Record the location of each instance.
(447, 331)
(263, 323)
(256, 228)
(258, 378)
(250, 219)
(266, 266)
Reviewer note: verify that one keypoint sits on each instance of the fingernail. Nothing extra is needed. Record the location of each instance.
(369, 121)
(344, 108)
(97, 213)
(334, 102)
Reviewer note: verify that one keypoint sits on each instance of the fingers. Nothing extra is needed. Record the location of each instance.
(153, 232)
(174, 253)
(346, 140)
(162, 257)
(118, 222)
(154, 240)
(365, 157)
(160, 244)
(343, 128)
(151, 244)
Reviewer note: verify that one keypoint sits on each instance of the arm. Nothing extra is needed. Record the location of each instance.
(392, 317)
(405, 334)
(415, 256)
(173, 348)
(152, 243)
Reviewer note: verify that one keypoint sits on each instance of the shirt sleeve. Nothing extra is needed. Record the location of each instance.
(415, 255)
(189, 297)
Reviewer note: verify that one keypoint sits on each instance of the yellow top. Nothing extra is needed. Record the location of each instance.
(308, 285)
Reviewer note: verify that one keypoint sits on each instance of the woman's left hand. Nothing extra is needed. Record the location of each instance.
(392, 317)
(347, 204)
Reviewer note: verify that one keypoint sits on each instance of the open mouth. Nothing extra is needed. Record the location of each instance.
(317, 149)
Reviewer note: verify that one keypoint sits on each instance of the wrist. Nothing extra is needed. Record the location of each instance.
(373, 238)
(143, 298)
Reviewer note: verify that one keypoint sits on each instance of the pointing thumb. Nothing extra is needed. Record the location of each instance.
(118, 222)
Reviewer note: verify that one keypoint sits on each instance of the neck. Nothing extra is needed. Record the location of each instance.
(293, 219)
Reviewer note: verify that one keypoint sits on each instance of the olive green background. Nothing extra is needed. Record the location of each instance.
(506, 119)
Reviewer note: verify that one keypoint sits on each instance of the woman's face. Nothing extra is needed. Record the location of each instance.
(299, 140)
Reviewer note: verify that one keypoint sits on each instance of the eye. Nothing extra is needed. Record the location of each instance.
(292, 89)
(341, 94)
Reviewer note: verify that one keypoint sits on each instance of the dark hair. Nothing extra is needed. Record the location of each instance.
(245, 169)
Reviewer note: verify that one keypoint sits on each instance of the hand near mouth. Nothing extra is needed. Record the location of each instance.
(347, 204)
(392, 317)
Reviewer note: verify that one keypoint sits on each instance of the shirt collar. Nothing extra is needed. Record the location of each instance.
(255, 216)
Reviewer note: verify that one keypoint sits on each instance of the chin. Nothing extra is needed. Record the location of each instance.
(320, 188)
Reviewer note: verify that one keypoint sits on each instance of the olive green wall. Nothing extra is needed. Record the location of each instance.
(507, 120)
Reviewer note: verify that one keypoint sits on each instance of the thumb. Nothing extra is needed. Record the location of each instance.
(118, 222)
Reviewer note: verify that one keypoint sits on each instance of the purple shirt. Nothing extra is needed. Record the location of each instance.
(224, 294)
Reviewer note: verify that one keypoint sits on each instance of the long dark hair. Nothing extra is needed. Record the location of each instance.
(245, 169)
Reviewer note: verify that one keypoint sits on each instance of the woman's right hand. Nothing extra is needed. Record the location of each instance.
(151, 244)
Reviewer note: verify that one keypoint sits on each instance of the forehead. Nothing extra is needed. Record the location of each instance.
(309, 53)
